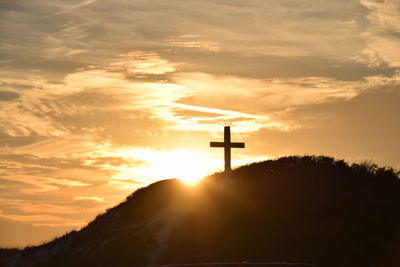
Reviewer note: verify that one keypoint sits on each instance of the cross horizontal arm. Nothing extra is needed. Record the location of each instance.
(217, 144)
(222, 144)
(238, 145)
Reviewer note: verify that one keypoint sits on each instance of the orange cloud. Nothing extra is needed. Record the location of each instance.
(382, 35)
(193, 41)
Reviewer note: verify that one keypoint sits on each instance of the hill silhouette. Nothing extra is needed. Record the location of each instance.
(294, 209)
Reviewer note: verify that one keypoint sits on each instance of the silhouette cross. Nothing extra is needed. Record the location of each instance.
(227, 145)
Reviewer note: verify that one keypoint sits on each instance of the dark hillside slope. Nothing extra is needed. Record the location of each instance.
(302, 209)
(305, 209)
(126, 235)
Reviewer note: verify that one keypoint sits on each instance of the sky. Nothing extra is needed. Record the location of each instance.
(101, 97)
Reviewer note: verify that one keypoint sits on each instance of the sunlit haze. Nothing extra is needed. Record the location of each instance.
(185, 165)
(100, 98)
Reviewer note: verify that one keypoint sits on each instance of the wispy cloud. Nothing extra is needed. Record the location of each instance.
(96, 102)
(96, 199)
(44, 220)
(193, 41)
(382, 35)
(78, 5)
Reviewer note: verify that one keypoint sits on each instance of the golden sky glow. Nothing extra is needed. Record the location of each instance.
(99, 98)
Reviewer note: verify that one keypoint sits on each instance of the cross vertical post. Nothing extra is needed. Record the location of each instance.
(227, 149)
(227, 145)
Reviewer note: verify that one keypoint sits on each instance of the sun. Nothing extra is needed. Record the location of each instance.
(189, 166)
(185, 165)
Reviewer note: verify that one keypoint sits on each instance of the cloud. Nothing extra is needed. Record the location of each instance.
(264, 95)
(75, 39)
(192, 41)
(19, 234)
(382, 35)
(44, 175)
(96, 199)
(142, 63)
(363, 128)
(106, 103)
(7, 96)
(44, 220)
(79, 5)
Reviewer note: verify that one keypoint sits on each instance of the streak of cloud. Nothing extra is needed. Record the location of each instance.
(79, 5)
